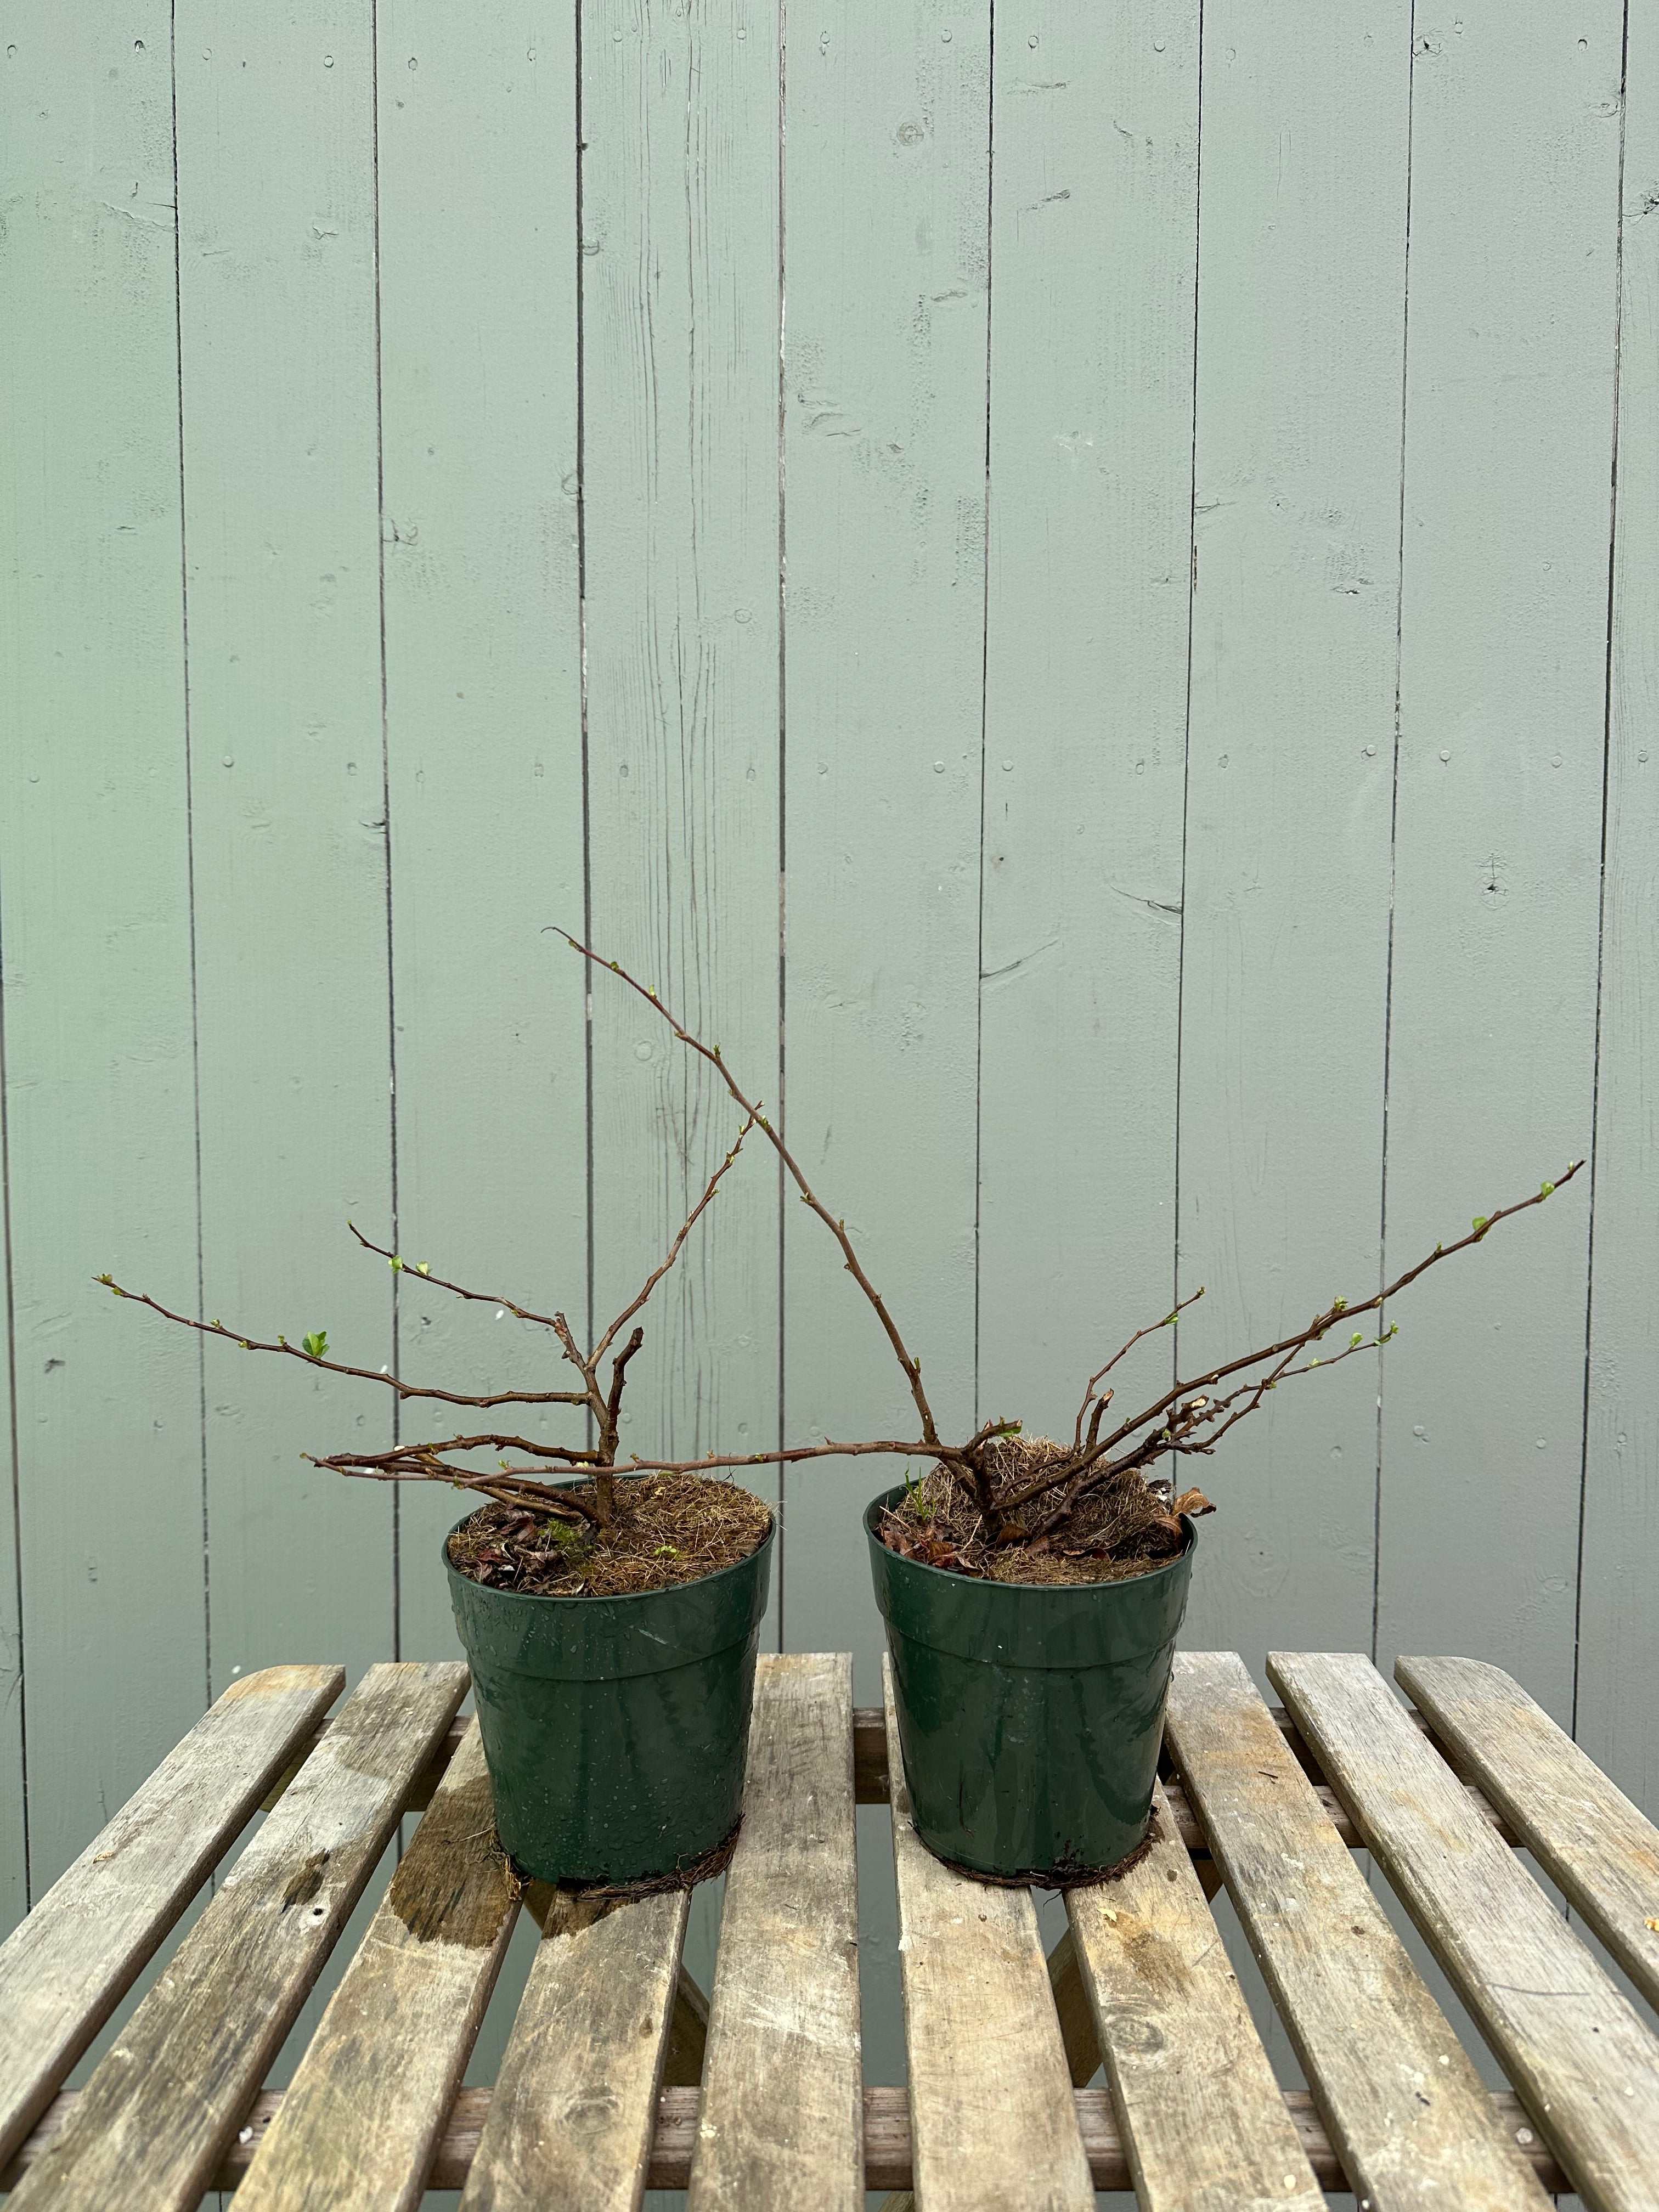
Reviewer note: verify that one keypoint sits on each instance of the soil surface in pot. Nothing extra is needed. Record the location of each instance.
(1126, 1526)
(668, 1529)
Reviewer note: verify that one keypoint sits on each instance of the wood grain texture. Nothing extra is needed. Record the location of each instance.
(155, 2119)
(680, 312)
(1509, 437)
(1201, 2117)
(887, 2160)
(477, 287)
(1590, 1841)
(1408, 2112)
(1301, 321)
(570, 2123)
(886, 192)
(281, 532)
(1587, 2067)
(1093, 255)
(363, 2113)
(63, 1969)
(94, 934)
(780, 2111)
(991, 2108)
(1618, 1594)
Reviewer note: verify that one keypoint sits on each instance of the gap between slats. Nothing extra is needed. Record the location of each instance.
(870, 1776)
(886, 2140)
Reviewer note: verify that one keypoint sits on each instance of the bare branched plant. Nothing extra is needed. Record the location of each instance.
(1017, 1501)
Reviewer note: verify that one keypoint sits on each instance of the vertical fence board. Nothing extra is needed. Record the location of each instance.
(94, 877)
(887, 270)
(275, 115)
(1093, 250)
(680, 351)
(14, 1775)
(1290, 779)
(1619, 1625)
(1508, 431)
(477, 179)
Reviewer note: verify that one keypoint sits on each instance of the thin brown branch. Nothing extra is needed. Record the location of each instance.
(380, 1464)
(690, 1223)
(1099, 1377)
(613, 1402)
(507, 1486)
(338, 1367)
(557, 1455)
(1339, 1310)
(837, 1229)
(425, 1275)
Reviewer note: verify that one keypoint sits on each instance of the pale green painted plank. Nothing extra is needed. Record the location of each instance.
(13, 1818)
(1619, 1624)
(478, 160)
(680, 367)
(277, 308)
(1508, 431)
(1295, 621)
(1094, 245)
(886, 252)
(94, 877)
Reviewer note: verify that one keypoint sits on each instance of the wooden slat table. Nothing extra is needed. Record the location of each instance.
(619, 2076)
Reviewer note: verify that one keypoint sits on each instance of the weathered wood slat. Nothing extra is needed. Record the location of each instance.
(781, 2084)
(1587, 2067)
(1590, 1839)
(887, 2162)
(367, 2104)
(1405, 2106)
(990, 2094)
(63, 1969)
(149, 2128)
(1202, 2119)
(870, 1778)
(570, 2127)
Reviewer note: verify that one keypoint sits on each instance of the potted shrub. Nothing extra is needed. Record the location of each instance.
(1032, 1589)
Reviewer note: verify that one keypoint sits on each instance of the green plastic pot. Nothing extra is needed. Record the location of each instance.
(615, 1730)
(1030, 1716)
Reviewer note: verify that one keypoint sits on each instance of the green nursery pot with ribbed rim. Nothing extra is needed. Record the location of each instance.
(1029, 1716)
(615, 1730)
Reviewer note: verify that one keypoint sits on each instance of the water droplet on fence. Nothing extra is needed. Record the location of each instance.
(939, 767)
(328, 61)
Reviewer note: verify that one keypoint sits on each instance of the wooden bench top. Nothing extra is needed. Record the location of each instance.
(619, 2074)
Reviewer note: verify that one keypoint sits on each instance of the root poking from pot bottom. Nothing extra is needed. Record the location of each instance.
(1059, 1877)
(668, 1529)
(1123, 1529)
(561, 1907)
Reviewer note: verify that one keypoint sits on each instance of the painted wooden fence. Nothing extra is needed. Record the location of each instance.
(1078, 588)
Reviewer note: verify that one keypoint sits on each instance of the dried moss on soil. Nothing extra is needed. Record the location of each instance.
(668, 1529)
(1123, 1529)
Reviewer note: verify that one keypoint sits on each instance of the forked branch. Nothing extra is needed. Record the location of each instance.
(1190, 1417)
